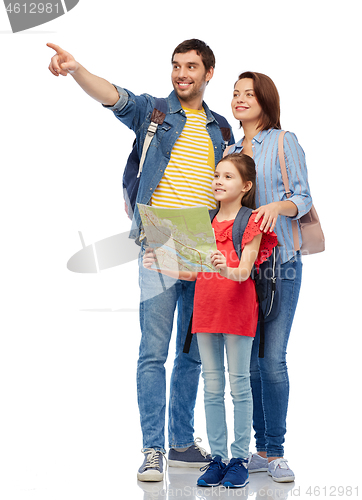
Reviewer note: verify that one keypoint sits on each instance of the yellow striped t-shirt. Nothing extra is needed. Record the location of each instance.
(187, 179)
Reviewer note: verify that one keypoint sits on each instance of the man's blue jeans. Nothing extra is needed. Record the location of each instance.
(269, 375)
(160, 295)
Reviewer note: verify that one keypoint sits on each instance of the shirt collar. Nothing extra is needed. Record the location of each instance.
(260, 136)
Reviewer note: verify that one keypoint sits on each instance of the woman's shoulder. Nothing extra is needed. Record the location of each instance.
(291, 144)
(288, 134)
(275, 132)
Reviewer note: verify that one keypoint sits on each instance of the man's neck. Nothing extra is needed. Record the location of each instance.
(192, 104)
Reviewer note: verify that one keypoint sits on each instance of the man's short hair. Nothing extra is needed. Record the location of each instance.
(201, 49)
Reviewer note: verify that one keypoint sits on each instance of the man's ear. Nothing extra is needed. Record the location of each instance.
(209, 74)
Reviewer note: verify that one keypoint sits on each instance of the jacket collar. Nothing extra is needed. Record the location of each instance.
(175, 106)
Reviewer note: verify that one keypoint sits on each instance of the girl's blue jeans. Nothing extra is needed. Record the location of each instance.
(238, 350)
(269, 375)
(160, 296)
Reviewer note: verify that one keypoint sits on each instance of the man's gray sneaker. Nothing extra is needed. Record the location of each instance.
(152, 467)
(257, 463)
(193, 456)
(280, 472)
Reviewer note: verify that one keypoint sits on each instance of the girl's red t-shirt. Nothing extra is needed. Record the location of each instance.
(222, 305)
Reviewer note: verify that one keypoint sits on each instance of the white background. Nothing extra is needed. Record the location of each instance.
(69, 342)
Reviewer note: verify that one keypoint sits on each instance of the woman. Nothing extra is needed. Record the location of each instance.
(255, 104)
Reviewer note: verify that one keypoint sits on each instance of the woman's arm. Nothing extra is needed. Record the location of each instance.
(149, 258)
(248, 258)
(300, 200)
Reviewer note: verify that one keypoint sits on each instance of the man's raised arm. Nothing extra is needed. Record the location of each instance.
(101, 90)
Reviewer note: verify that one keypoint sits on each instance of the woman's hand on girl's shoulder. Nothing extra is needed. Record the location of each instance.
(269, 214)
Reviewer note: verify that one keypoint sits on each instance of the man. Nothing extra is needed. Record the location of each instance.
(177, 172)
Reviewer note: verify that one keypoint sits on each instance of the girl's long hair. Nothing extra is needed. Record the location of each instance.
(246, 168)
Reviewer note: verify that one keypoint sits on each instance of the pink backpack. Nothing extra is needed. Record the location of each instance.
(310, 226)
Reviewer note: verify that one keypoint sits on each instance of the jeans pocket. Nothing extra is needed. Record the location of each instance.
(290, 270)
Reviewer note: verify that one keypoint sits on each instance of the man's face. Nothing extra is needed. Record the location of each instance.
(189, 79)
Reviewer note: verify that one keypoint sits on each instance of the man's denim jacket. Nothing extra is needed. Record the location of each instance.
(135, 112)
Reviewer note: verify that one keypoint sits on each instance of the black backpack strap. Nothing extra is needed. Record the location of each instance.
(187, 343)
(224, 127)
(157, 117)
(212, 213)
(239, 226)
(161, 106)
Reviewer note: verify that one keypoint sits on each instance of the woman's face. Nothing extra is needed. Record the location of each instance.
(244, 105)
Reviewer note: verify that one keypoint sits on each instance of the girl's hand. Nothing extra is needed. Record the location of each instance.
(270, 214)
(149, 258)
(218, 260)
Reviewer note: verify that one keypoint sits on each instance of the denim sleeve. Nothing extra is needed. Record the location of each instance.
(297, 175)
(130, 109)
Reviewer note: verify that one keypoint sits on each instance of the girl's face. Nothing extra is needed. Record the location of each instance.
(228, 184)
(244, 105)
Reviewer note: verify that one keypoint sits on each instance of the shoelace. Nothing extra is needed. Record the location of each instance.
(152, 458)
(202, 450)
(211, 465)
(280, 462)
(233, 466)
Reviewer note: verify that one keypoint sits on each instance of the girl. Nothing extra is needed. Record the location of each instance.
(255, 104)
(225, 316)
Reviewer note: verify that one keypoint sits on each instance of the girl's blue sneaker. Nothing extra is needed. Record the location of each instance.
(236, 473)
(214, 472)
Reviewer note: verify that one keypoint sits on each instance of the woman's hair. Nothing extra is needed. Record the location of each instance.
(246, 168)
(267, 96)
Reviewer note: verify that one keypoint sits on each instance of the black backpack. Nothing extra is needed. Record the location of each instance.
(133, 169)
(267, 280)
